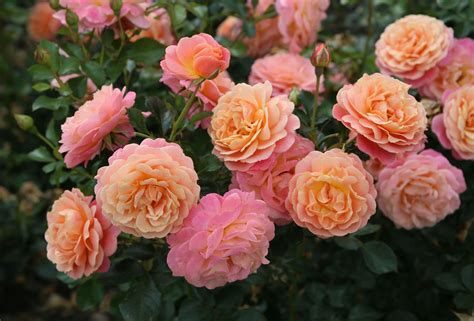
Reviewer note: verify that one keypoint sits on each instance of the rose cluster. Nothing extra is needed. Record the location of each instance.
(151, 189)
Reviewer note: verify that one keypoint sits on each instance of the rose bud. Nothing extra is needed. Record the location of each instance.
(321, 56)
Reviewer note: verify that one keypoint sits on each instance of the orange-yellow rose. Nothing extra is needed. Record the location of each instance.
(411, 46)
(249, 124)
(148, 189)
(331, 193)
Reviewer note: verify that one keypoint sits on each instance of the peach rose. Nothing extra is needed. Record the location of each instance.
(388, 121)
(249, 125)
(160, 28)
(148, 190)
(420, 191)
(454, 71)
(41, 24)
(455, 126)
(284, 71)
(300, 21)
(224, 239)
(269, 178)
(412, 45)
(80, 239)
(197, 57)
(101, 123)
(331, 194)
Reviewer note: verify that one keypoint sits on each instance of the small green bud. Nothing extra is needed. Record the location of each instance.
(42, 56)
(55, 4)
(25, 122)
(116, 7)
(72, 19)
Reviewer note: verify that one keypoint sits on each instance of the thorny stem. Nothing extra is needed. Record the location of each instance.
(314, 132)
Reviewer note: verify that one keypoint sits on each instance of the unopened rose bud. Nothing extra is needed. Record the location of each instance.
(25, 122)
(321, 56)
(42, 56)
(116, 7)
(55, 4)
(294, 94)
(72, 19)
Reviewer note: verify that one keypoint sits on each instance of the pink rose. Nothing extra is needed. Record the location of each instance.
(80, 239)
(197, 57)
(160, 28)
(412, 45)
(284, 71)
(269, 178)
(420, 191)
(331, 194)
(451, 73)
(248, 125)
(455, 126)
(100, 123)
(224, 239)
(41, 24)
(300, 21)
(387, 120)
(148, 190)
(208, 94)
(98, 14)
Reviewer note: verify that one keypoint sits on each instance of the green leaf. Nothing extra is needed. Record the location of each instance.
(192, 310)
(145, 50)
(366, 230)
(68, 65)
(41, 86)
(447, 4)
(95, 72)
(238, 49)
(78, 86)
(200, 116)
(467, 276)
(248, 315)
(139, 251)
(379, 257)
(40, 73)
(51, 132)
(138, 120)
(41, 154)
(348, 242)
(401, 316)
(180, 14)
(50, 103)
(363, 313)
(449, 281)
(142, 302)
(464, 301)
(89, 294)
(52, 50)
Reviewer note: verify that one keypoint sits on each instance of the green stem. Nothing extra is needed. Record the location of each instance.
(142, 135)
(314, 132)
(184, 112)
(45, 140)
(370, 13)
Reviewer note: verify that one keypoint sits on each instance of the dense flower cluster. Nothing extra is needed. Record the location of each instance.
(284, 167)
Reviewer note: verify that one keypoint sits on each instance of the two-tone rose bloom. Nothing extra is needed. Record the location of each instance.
(420, 190)
(386, 120)
(80, 238)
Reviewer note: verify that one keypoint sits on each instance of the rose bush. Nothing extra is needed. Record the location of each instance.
(237, 160)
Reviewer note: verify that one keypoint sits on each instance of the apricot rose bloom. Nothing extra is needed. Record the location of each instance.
(224, 239)
(160, 28)
(41, 24)
(284, 71)
(269, 178)
(455, 126)
(80, 239)
(248, 125)
(388, 121)
(421, 190)
(101, 123)
(195, 57)
(451, 73)
(331, 194)
(412, 45)
(148, 190)
(300, 21)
